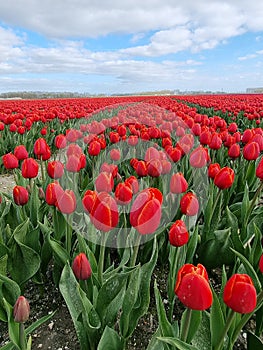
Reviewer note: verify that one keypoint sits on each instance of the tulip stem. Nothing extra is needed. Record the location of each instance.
(135, 250)
(186, 324)
(22, 339)
(101, 258)
(68, 233)
(229, 321)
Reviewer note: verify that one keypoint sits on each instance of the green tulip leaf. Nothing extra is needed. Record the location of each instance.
(110, 340)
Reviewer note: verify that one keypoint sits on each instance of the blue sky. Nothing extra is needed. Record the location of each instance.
(130, 46)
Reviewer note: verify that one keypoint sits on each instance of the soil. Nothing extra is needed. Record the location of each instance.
(59, 334)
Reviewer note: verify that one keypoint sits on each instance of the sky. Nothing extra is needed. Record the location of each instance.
(123, 46)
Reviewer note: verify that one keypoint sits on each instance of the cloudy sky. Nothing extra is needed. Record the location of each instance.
(122, 46)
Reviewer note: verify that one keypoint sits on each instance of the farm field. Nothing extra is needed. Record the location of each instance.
(139, 218)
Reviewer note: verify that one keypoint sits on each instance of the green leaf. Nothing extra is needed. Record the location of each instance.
(110, 340)
(34, 204)
(232, 222)
(166, 329)
(70, 291)
(177, 343)
(202, 338)
(192, 245)
(13, 327)
(155, 343)
(253, 342)
(30, 329)
(60, 252)
(195, 320)
(217, 320)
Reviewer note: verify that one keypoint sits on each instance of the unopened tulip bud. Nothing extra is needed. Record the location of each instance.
(21, 310)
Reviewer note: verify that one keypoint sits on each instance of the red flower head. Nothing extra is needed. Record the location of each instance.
(224, 178)
(240, 294)
(123, 193)
(115, 154)
(29, 168)
(216, 141)
(199, 157)
(81, 267)
(94, 148)
(154, 168)
(192, 287)
(73, 163)
(141, 168)
(213, 169)
(145, 214)
(53, 192)
(189, 204)
(60, 141)
(178, 183)
(20, 195)
(55, 169)
(132, 180)
(261, 264)
(234, 151)
(103, 211)
(20, 152)
(66, 202)
(10, 161)
(104, 182)
(21, 310)
(41, 149)
(259, 169)
(151, 153)
(251, 150)
(178, 234)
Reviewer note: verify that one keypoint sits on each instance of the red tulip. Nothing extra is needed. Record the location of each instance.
(60, 141)
(20, 152)
(55, 169)
(178, 183)
(251, 150)
(141, 168)
(73, 163)
(234, 151)
(132, 180)
(199, 157)
(20, 195)
(205, 137)
(189, 204)
(94, 148)
(259, 169)
(21, 310)
(29, 168)
(104, 182)
(145, 214)
(41, 149)
(192, 287)
(224, 178)
(53, 192)
(104, 212)
(66, 202)
(10, 161)
(216, 141)
(178, 234)
(154, 168)
(115, 154)
(240, 294)
(81, 267)
(151, 153)
(213, 169)
(123, 193)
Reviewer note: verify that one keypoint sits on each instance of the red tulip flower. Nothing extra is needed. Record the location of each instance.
(20, 152)
(53, 192)
(41, 149)
(154, 168)
(10, 161)
(55, 169)
(216, 142)
(60, 141)
(213, 169)
(115, 154)
(260, 264)
(189, 204)
(29, 168)
(123, 193)
(66, 202)
(20, 195)
(141, 168)
(178, 183)
(199, 157)
(240, 294)
(132, 180)
(81, 267)
(224, 178)
(94, 148)
(21, 310)
(251, 150)
(192, 287)
(234, 151)
(104, 182)
(73, 163)
(145, 214)
(178, 234)
(103, 211)
(259, 169)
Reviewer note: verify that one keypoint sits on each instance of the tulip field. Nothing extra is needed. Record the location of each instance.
(110, 190)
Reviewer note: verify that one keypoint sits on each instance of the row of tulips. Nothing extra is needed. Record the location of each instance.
(107, 198)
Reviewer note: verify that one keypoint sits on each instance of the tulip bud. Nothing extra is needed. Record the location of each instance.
(55, 169)
(21, 310)
(123, 193)
(192, 287)
(178, 234)
(240, 294)
(251, 150)
(104, 182)
(29, 168)
(213, 169)
(10, 161)
(178, 183)
(81, 267)
(20, 195)
(189, 204)
(20, 152)
(67, 203)
(224, 178)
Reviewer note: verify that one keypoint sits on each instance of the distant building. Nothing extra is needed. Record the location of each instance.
(258, 90)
